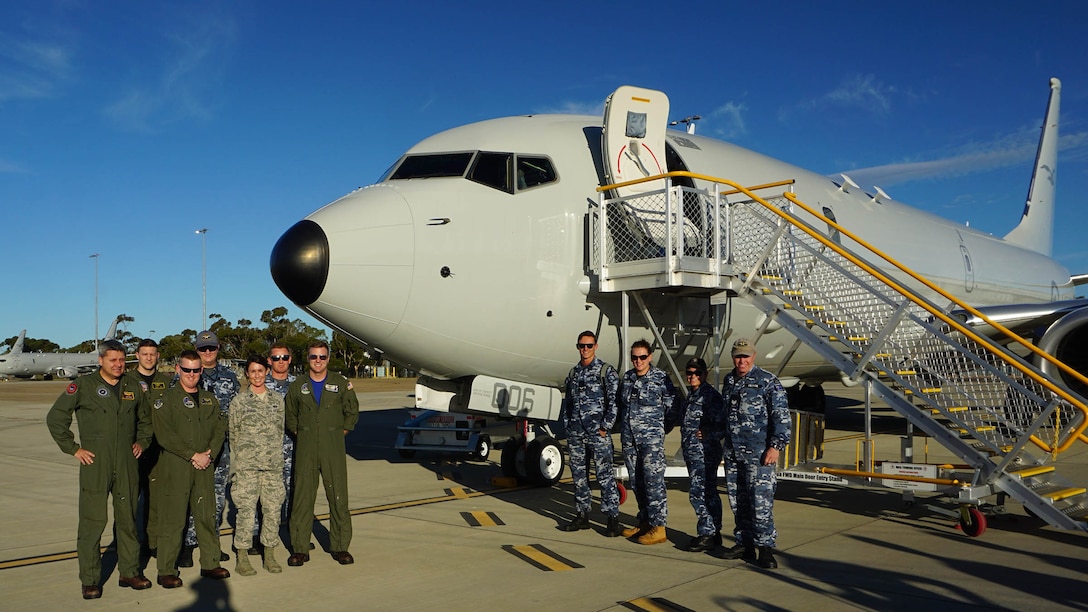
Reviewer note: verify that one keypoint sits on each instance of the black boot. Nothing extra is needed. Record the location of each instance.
(740, 551)
(700, 544)
(185, 557)
(766, 558)
(614, 529)
(580, 521)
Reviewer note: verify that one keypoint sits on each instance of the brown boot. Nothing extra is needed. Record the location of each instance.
(655, 535)
(632, 532)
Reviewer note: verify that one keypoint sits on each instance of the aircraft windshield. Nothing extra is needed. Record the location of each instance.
(507, 172)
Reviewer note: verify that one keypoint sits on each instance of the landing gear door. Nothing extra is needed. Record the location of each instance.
(635, 120)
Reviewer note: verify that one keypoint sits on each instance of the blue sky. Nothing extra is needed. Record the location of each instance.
(127, 125)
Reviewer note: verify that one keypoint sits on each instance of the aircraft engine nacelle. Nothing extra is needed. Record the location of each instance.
(1067, 340)
(68, 372)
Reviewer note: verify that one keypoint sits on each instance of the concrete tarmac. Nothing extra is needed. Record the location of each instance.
(432, 533)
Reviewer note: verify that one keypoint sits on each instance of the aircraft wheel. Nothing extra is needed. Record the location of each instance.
(513, 458)
(972, 521)
(544, 461)
(623, 492)
(482, 450)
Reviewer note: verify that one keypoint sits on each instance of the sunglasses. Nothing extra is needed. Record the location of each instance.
(639, 357)
(190, 370)
(280, 357)
(582, 345)
(321, 357)
(208, 349)
(693, 373)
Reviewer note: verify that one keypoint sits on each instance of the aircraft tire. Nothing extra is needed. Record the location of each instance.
(544, 461)
(513, 459)
(482, 450)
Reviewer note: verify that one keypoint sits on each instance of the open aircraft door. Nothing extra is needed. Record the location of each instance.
(635, 120)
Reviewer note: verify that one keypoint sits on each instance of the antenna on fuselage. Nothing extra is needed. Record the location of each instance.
(690, 121)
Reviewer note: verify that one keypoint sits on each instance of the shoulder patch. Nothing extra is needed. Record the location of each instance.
(72, 388)
(103, 392)
(188, 402)
(205, 401)
(158, 404)
(332, 388)
(158, 385)
(143, 386)
(128, 396)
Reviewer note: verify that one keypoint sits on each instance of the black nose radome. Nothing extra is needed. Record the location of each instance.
(300, 262)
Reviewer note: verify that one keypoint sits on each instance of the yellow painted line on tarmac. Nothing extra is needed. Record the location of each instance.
(540, 557)
(480, 518)
(461, 493)
(654, 604)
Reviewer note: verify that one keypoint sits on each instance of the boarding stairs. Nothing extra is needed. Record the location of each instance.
(878, 323)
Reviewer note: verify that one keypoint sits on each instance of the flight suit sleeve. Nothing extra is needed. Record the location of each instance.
(219, 431)
(351, 408)
(162, 422)
(290, 411)
(59, 421)
(144, 429)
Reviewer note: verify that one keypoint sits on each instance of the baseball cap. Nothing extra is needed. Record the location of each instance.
(743, 348)
(206, 338)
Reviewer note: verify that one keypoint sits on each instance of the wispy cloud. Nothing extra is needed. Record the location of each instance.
(1012, 150)
(35, 68)
(728, 120)
(7, 167)
(859, 92)
(188, 75)
(576, 108)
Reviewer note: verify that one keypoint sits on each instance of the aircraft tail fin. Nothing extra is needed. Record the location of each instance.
(111, 334)
(1036, 228)
(18, 346)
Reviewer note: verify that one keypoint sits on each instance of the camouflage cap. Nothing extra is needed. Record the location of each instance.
(206, 338)
(743, 348)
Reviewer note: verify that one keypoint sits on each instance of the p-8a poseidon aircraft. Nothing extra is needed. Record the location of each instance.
(21, 364)
(477, 258)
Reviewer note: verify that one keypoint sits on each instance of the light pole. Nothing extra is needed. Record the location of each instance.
(203, 274)
(95, 258)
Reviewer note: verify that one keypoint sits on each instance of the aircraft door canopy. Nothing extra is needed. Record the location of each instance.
(635, 120)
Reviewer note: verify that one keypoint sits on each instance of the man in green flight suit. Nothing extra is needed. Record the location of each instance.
(321, 409)
(154, 383)
(189, 429)
(114, 429)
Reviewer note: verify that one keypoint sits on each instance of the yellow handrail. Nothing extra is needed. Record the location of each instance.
(1077, 434)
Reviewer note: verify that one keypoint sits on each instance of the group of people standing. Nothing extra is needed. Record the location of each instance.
(747, 425)
(166, 448)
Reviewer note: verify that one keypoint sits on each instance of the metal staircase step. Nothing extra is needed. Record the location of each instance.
(1064, 493)
(1034, 470)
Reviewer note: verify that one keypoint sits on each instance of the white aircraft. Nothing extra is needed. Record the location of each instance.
(470, 259)
(21, 364)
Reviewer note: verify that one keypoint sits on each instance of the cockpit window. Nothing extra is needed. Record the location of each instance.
(431, 166)
(506, 172)
(493, 170)
(533, 171)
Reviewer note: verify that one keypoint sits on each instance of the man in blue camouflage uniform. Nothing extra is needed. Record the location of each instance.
(645, 394)
(757, 430)
(223, 383)
(702, 425)
(589, 412)
(279, 379)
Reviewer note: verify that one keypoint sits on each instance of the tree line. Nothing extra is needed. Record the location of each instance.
(237, 341)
